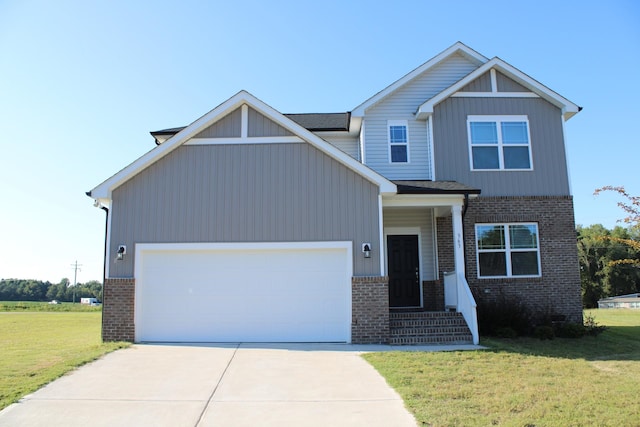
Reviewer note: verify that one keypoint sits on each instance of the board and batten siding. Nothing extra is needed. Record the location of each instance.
(259, 125)
(422, 218)
(245, 193)
(481, 84)
(402, 105)
(227, 127)
(549, 176)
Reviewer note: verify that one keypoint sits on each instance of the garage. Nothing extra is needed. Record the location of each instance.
(243, 292)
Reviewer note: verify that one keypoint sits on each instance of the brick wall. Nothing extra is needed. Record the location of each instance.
(370, 310)
(558, 290)
(117, 310)
(433, 295)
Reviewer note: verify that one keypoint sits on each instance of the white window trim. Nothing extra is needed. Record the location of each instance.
(498, 120)
(507, 251)
(404, 123)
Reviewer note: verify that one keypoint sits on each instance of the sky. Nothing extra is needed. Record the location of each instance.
(83, 82)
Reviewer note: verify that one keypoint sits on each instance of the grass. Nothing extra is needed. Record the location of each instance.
(593, 381)
(38, 347)
(45, 306)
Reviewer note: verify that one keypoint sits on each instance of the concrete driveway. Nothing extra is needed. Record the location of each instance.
(218, 385)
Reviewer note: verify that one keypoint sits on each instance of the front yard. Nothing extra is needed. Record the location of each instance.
(526, 382)
(38, 347)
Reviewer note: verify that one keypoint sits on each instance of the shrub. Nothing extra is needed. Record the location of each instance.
(506, 332)
(591, 327)
(544, 332)
(494, 316)
(570, 330)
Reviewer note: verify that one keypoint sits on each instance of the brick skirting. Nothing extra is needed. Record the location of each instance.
(118, 309)
(370, 310)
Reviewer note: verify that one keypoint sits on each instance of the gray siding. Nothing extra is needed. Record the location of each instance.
(259, 125)
(505, 84)
(343, 141)
(402, 105)
(549, 175)
(481, 84)
(226, 127)
(245, 193)
(423, 218)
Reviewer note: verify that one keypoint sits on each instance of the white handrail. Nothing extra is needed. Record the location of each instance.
(468, 307)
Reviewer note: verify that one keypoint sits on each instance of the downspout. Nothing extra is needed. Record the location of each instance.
(464, 239)
(104, 265)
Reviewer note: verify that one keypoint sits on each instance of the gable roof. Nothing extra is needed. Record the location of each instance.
(569, 109)
(102, 193)
(457, 48)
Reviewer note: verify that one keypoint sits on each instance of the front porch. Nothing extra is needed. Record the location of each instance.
(423, 254)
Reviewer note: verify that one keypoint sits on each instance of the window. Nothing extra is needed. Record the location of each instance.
(499, 142)
(508, 250)
(398, 141)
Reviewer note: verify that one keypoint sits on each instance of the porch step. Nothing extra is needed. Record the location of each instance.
(428, 327)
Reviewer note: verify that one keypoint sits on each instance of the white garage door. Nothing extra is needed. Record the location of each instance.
(261, 292)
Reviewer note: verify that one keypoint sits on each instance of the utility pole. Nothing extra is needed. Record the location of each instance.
(76, 268)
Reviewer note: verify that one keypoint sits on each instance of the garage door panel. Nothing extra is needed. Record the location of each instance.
(301, 294)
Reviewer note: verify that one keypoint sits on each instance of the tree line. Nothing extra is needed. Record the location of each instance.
(604, 267)
(37, 290)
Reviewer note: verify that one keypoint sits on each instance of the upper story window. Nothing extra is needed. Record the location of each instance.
(398, 141)
(508, 250)
(499, 142)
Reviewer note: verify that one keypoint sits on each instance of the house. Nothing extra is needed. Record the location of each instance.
(621, 301)
(447, 188)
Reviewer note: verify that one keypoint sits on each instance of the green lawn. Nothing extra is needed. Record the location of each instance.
(593, 381)
(37, 347)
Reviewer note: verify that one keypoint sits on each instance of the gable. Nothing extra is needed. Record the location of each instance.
(494, 81)
(260, 125)
(481, 84)
(227, 127)
(458, 50)
(513, 83)
(505, 84)
(406, 99)
(222, 120)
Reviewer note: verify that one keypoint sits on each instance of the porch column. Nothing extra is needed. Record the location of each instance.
(458, 239)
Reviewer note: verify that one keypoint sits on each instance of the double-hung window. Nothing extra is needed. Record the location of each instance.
(398, 141)
(499, 142)
(508, 250)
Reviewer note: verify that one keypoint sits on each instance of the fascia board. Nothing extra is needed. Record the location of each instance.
(568, 108)
(458, 47)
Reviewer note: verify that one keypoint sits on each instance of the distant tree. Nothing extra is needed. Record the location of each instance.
(630, 205)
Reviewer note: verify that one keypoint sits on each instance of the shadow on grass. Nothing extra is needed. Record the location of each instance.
(616, 343)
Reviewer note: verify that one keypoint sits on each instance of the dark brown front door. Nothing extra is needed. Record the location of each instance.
(404, 271)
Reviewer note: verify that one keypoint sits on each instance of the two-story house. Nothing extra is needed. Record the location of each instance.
(448, 187)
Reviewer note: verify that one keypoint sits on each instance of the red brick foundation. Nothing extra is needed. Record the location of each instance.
(370, 310)
(118, 310)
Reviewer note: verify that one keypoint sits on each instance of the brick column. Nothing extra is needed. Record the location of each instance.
(118, 302)
(370, 310)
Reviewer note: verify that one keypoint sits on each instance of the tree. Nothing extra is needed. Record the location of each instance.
(631, 205)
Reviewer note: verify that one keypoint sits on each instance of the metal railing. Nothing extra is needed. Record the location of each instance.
(457, 294)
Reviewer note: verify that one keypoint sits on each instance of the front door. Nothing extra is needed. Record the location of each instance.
(404, 271)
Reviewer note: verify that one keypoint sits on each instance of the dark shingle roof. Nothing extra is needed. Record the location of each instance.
(322, 121)
(434, 187)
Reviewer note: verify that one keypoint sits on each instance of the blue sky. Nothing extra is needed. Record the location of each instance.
(83, 82)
